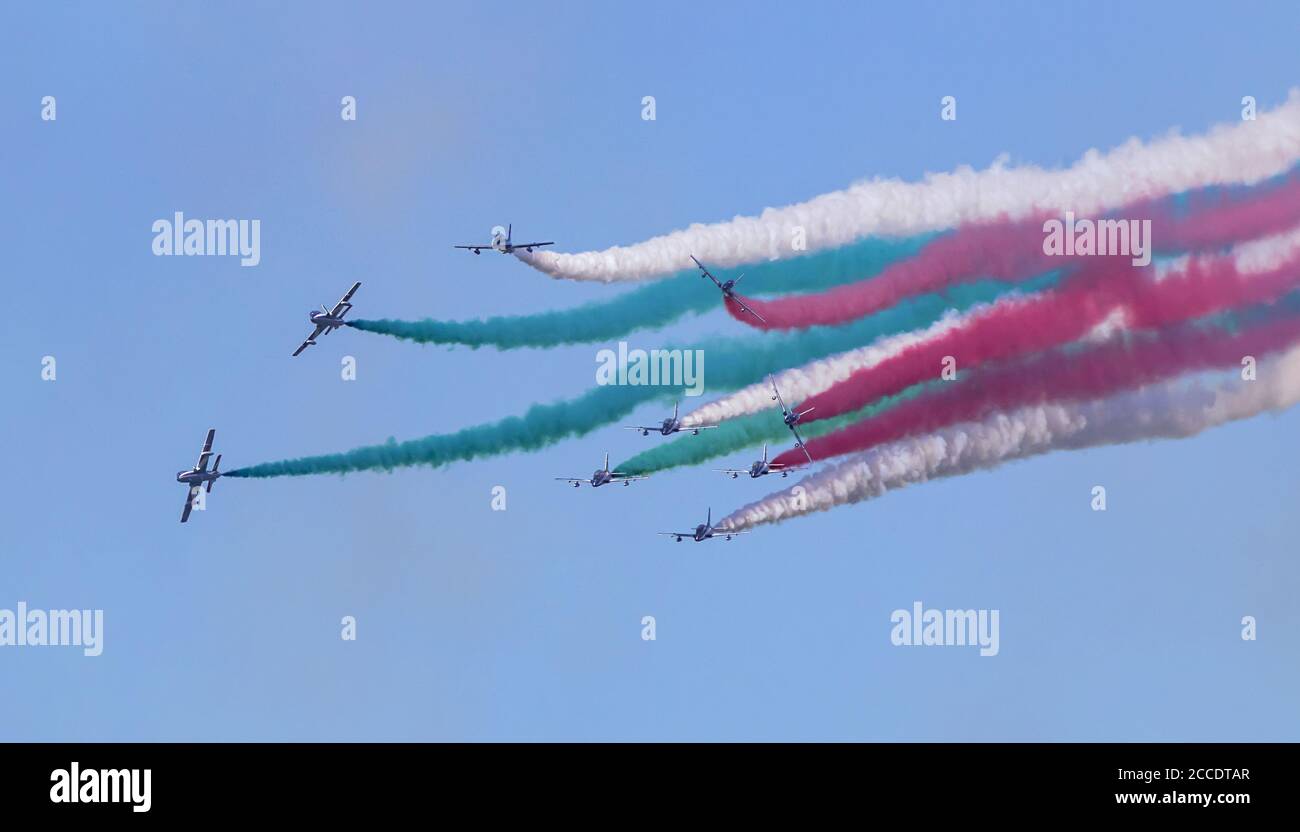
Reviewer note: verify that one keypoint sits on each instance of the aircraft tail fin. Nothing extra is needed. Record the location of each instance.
(606, 460)
(216, 469)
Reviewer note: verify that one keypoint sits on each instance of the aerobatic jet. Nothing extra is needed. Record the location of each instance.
(327, 320)
(673, 424)
(791, 418)
(703, 532)
(601, 476)
(501, 241)
(760, 468)
(195, 478)
(728, 289)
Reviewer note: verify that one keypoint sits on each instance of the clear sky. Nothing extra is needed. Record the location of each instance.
(526, 624)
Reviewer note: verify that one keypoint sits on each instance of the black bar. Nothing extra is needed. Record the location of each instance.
(335, 781)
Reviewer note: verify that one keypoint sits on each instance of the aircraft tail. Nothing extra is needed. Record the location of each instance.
(510, 231)
(765, 452)
(709, 522)
(216, 469)
(606, 460)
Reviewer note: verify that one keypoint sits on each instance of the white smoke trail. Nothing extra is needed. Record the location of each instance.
(1168, 410)
(1242, 153)
(797, 384)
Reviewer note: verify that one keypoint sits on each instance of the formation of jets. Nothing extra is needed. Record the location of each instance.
(702, 532)
(671, 425)
(760, 468)
(197, 477)
(327, 320)
(501, 242)
(602, 476)
(728, 288)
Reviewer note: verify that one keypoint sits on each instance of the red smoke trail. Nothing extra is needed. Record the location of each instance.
(1027, 325)
(1013, 251)
(1056, 376)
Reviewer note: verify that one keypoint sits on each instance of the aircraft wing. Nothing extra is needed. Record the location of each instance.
(531, 245)
(189, 504)
(641, 427)
(678, 534)
(343, 306)
(207, 449)
(578, 480)
(706, 272)
(626, 478)
(798, 440)
(742, 305)
(777, 391)
(732, 471)
(310, 338)
(702, 427)
(475, 249)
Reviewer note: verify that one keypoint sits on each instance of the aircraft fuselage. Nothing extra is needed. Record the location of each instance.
(194, 477)
(321, 319)
(669, 427)
(702, 533)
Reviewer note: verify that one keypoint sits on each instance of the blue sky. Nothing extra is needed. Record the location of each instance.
(525, 624)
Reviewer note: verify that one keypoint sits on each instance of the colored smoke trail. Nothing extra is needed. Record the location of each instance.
(541, 425)
(740, 433)
(801, 383)
(1061, 374)
(732, 362)
(1105, 291)
(1242, 153)
(1171, 410)
(1013, 251)
(654, 305)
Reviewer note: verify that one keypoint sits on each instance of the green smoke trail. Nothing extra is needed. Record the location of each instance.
(541, 425)
(654, 305)
(732, 363)
(746, 432)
